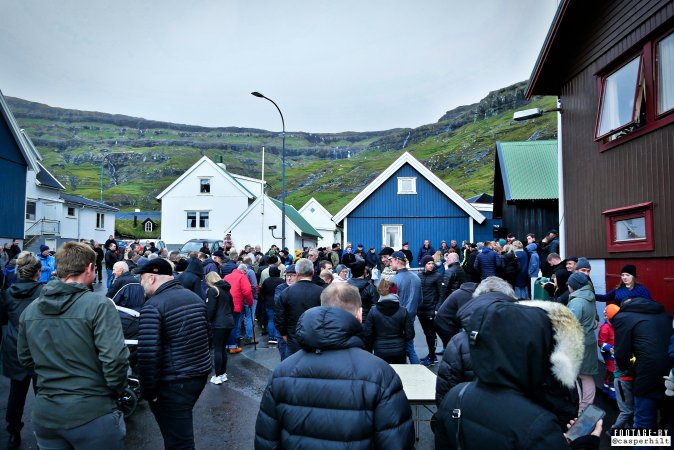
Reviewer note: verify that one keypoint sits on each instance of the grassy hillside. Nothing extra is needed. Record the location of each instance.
(141, 157)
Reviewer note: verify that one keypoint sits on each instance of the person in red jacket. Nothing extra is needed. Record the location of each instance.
(605, 341)
(241, 292)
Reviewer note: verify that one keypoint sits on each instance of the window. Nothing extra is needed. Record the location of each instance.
(31, 210)
(637, 96)
(148, 227)
(407, 185)
(100, 220)
(392, 236)
(205, 185)
(630, 229)
(71, 211)
(197, 219)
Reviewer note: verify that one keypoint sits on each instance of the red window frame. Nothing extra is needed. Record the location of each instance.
(612, 216)
(653, 120)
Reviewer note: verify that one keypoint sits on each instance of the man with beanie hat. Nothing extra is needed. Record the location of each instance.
(173, 323)
(582, 305)
(387, 272)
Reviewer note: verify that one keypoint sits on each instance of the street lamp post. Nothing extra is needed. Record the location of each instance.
(283, 171)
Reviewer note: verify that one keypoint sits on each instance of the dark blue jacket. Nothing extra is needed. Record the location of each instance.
(192, 278)
(173, 338)
(126, 291)
(332, 394)
(388, 327)
(487, 263)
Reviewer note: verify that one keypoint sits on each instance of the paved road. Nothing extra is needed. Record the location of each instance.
(225, 415)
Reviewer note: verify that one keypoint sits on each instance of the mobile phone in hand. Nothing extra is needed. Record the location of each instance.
(585, 423)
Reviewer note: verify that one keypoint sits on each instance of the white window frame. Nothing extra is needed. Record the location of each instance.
(210, 185)
(148, 226)
(399, 241)
(34, 215)
(198, 219)
(100, 221)
(404, 187)
(68, 208)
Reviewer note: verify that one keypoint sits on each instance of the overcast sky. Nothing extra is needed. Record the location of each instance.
(347, 65)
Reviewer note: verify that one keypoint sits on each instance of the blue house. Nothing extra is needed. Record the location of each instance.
(407, 203)
(15, 159)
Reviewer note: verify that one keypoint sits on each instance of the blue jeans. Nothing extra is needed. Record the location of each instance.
(411, 354)
(282, 348)
(250, 313)
(108, 278)
(645, 412)
(234, 335)
(271, 329)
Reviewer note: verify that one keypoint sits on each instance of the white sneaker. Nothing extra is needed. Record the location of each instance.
(223, 378)
(216, 380)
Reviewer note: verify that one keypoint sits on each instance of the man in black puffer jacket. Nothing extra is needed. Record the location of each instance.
(173, 352)
(387, 329)
(368, 293)
(332, 394)
(433, 292)
(446, 321)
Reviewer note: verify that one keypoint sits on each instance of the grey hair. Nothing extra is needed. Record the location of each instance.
(312, 251)
(494, 284)
(243, 268)
(480, 245)
(27, 265)
(304, 267)
(123, 265)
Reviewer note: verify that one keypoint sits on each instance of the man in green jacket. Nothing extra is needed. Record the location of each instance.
(582, 305)
(72, 338)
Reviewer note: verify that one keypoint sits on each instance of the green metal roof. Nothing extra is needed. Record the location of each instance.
(528, 169)
(297, 219)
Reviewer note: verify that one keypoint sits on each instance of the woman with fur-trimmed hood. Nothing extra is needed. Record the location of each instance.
(526, 357)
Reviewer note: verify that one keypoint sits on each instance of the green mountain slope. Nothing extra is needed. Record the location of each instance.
(141, 157)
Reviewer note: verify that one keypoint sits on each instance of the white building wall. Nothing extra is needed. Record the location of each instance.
(48, 204)
(83, 224)
(224, 203)
(321, 220)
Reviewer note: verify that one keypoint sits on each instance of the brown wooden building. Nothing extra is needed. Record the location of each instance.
(611, 63)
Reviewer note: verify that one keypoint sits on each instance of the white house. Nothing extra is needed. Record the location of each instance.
(261, 224)
(53, 217)
(203, 200)
(321, 219)
(83, 218)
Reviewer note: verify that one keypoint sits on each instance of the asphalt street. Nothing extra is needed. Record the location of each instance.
(224, 416)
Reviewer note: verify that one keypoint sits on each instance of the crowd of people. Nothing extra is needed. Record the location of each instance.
(338, 317)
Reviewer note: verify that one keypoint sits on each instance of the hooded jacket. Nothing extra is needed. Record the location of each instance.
(526, 370)
(79, 382)
(333, 394)
(241, 290)
(643, 328)
(220, 306)
(192, 278)
(388, 327)
(17, 298)
(582, 305)
(456, 366)
(534, 261)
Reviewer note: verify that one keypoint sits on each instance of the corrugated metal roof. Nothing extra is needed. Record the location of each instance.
(297, 219)
(529, 169)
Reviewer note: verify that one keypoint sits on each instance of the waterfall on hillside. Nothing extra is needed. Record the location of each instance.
(409, 133)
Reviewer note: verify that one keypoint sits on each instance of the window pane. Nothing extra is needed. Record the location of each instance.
(665, 75)
(191, 219)
(630, 229)
(30, 210)
(205, 186)
(617, 103)
(203, 220)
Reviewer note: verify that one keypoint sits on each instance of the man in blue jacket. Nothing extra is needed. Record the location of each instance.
(48, 264)
(487, 262)
(409, 292)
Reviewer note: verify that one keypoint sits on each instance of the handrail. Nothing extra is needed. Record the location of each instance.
(44, 226)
